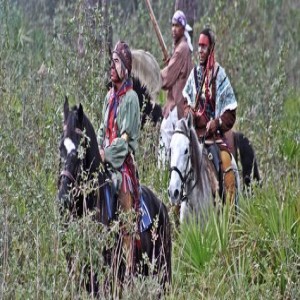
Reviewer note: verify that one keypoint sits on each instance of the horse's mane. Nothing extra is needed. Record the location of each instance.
(87, 125)
(71, 121)
(197, 158)
(93, 156)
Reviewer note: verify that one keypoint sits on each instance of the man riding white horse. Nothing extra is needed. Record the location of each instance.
(211, 100)
(174, 76)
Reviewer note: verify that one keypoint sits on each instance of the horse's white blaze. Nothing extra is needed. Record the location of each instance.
(179, 145)
(69, 145)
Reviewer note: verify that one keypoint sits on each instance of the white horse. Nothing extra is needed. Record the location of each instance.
(193, 181)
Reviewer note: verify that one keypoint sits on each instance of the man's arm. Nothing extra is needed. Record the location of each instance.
(224, 123)
(171, 72)
(128, 121)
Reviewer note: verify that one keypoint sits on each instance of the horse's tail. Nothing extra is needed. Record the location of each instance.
(256, 175)
(167, 242)
(156, 114)
(163, 246)
(247, 157)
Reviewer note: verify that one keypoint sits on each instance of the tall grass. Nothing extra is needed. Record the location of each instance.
(256, 256)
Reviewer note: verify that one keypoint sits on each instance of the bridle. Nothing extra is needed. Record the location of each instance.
(187, 177)
(67, 173)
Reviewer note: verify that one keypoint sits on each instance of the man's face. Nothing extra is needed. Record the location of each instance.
(177, 32)
(203, 49)
(115, 65)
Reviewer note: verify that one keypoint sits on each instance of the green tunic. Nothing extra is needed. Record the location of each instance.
(128, 121)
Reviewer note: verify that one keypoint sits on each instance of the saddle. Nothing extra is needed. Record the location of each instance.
(111, 199)
(213, 154)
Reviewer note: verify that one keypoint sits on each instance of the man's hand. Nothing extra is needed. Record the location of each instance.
(102, 154)
(125, 136)
(166, 60)
(212, 127)
(199, 120)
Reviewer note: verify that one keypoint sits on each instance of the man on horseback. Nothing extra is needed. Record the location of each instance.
(174, 77)
(118, 138)
(210, 98)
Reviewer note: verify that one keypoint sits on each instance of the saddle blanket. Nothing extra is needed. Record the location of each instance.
(145, 220)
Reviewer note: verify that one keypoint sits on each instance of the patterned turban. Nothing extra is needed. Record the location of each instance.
(123, 51)
(179, 18)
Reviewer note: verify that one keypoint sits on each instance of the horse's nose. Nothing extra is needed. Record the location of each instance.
(173, 195)
(176, 194)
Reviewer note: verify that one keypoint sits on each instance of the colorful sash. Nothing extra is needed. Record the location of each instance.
(114, 101)
(129, 175)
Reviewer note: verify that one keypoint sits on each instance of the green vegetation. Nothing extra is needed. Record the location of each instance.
(49, 49)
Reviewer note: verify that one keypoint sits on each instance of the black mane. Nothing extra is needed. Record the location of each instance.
(76, 120)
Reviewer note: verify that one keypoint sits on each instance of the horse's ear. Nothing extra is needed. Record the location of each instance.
(189, 120)
(66, 109)
(80, 113)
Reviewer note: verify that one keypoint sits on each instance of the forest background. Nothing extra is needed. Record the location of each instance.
(51, 48)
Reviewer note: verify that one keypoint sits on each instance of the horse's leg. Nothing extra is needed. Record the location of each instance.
(126, 206)
(184, 211)
(230, 137)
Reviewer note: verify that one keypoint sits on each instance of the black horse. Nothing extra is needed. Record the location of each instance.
(244, 154)
(82, 163)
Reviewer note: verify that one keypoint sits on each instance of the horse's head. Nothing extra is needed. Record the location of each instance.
(70, 155)
(180, 166)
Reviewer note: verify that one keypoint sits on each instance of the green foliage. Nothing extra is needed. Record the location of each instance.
(203, 240)
(288, 132)
(258, 254)
(49, 49)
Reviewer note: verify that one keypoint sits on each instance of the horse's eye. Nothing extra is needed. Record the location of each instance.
(186, 151)
(62, 150)
(73, 153)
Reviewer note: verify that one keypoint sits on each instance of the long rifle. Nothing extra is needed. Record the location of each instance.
(157, 31)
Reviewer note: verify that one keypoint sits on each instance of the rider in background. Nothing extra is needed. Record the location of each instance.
(174, 77)
(211, 100)
(118, 135)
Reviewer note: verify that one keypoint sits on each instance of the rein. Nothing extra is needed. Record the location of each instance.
(184, 179)
(67, 173)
